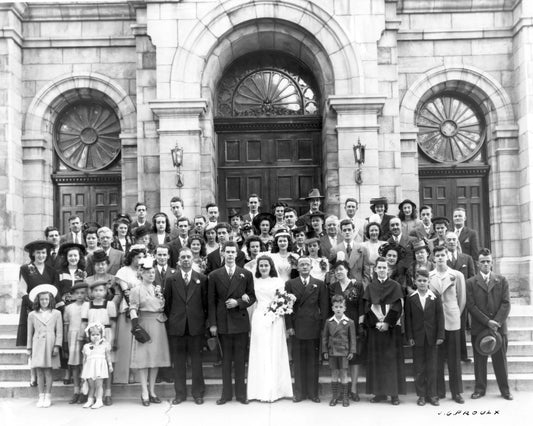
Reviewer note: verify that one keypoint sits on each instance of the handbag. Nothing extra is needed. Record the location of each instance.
(140, 334)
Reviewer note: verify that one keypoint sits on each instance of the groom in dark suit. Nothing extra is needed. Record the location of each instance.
(186, 309)
(230, 293)
(305, 324)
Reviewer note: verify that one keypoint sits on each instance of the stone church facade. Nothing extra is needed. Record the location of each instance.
(266, 96)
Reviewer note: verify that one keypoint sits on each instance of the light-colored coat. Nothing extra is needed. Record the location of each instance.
(358, 260)
(451, 288)
(43, 335)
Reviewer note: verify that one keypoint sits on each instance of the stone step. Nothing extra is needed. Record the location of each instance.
(517, 382)
(8, 341)
(13, 356)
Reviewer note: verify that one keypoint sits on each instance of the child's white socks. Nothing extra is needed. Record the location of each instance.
(41, 400)
(47, 401)
(89, 403)
(98, 404)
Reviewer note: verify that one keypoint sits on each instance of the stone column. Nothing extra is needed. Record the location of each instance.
(409, 153)
(179, 123)
(11, 170)
(357, 118)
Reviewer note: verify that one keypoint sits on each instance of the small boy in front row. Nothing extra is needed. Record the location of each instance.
(424, 327)
(338, 345)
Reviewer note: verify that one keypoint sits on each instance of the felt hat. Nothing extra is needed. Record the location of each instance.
(233, 213)
(38, 245)
(407, 201)
(379, 200)
(64, 248)
(96, 283)
(140, 232)
(438, 220)
(318, 213)
(264, 216)
(100, 256)
(42, 288)
(123, 217)
(77, 285)
(488, 342)
(420, 245)
(315, 193)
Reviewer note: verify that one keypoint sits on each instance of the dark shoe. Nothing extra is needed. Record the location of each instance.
(459, 399)
(378, 398)
(421, 401)
(507, 396)
(158, 379)
(67, 381)
(221, 401)
(395, 400)
(434, 401)
(477, 395)
(243, 401)
(154, 399)
(33, 384)
(354, 397)
(198, 401)
(442, 395)
(345, 394)
(108, 401)
(75, 398)
(315, 399)
(145, 402)
(334, 393)
(467, 360)
(177, 400)
(297, 399)
(83, 399)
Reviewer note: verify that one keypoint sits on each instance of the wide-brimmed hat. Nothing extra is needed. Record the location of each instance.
(42, 288)
(406, 201)
(264, 216)
(100, 256)
(420, 245)
(282, 233)
(315, 193)
(379, 200)
(77, 285)
(488, 342)
(438, 220)
(385, 248)
(64, 248)
(38, 245)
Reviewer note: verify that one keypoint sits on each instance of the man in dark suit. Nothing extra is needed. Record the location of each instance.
(424, 329)
(380, 206)
(465, 264)
(305, 324)
(52, 235)
(254, 202)
(424, 230)
(230, 293)
(116, 257)
(141, 213)
(74, 235)
(186, 308)
(468, 237)
(488, 301)
(179, 240)
(398, 237)
(332, 238)
(215, 259)
(314, 198)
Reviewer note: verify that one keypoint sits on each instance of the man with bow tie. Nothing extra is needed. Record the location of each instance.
(310, 310)
(230, 293)
(186, 308)
(487, 300)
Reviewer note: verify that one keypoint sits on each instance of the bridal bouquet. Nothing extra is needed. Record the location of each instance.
(281, 305)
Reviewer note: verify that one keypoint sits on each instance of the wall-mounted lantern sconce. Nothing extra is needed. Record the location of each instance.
(177, 160)
(359, 157)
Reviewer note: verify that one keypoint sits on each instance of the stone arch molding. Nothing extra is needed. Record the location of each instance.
(38, 122)
(489, 91)
(191, 56)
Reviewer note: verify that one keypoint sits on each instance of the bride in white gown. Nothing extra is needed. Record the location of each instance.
(269, 375)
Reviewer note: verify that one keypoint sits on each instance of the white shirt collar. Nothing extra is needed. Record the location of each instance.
(429, 294)
(344, 318)
(188, 273)
(485, 276)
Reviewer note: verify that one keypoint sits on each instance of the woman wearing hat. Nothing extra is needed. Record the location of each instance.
(380, 206)
(408, 214)
(284, 260)
(263, 223)
(30, 276)
(421, 252)
(100, 266)
(122, 235)
(352, 292)
(146, 310)
(127, 278)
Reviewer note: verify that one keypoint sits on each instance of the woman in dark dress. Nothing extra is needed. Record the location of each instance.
(393, 254)
(72, 270)
(421, 254)
(385, 362)
(30, 276)
(353, 294)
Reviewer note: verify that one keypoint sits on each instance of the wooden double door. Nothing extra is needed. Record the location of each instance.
(444, 194)
(276, 165)
(92, 202)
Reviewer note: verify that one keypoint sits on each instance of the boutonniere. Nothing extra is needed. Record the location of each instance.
(344, 322)
(32, 269)
(157, 292)
(80, 275)
(452, 278)
(197, 281)
(241, 275)
(314, 285)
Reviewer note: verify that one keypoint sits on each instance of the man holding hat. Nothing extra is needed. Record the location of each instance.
(487, 300)
(315, 200)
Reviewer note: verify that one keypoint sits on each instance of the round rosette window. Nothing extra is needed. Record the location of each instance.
(87, 136)
(450, 129)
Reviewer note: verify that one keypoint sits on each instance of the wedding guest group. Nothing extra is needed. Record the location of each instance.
(272, 295)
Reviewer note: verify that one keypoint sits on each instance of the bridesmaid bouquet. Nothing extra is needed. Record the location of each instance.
(281, 305)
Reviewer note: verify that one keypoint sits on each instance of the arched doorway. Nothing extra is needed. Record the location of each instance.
(268, 127)
(453, 165)
(87, 173)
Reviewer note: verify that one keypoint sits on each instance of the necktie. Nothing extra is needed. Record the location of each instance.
(186, 278)
(76, 238)
(305, 282)
(230, 273)
(163, 271)
(53, 254)
(348, 249)
(487, 278)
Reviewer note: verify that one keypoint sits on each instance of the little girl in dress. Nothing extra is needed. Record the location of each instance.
(96, 364)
